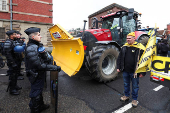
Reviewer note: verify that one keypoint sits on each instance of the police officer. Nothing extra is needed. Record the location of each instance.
(36, 66)
(11, 62)
(19, 55)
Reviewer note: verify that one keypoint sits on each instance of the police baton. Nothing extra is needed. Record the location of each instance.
(56, 96)
(54, 88)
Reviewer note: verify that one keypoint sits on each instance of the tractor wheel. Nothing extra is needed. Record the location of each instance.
(101, 62)
(143, 39)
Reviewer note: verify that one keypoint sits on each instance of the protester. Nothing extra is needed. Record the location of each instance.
(162, 48)
(127, 63)
(36, 65)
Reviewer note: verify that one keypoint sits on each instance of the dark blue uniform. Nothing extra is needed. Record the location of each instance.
(18, 42)
(36, 67)
(11, 63)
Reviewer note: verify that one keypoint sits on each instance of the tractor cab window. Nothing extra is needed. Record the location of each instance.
(115, 23)
(112, 24)
(128, 26)
(114, 30)
(107, 24)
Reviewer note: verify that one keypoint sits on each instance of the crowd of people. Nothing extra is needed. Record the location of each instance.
(37, 62)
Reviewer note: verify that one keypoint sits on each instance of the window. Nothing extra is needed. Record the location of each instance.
(2, 32)
(128, 25)
(3, 5)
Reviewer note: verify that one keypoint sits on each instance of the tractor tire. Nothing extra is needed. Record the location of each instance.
(101, 63)
(143, 39)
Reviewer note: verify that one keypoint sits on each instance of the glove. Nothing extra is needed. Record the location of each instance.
(58, 68)
(53, 68)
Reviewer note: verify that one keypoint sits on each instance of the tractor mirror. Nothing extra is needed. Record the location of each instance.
(130, 13)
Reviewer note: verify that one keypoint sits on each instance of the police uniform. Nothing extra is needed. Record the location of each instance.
(36, 66)
(19, 42)
(11, 63)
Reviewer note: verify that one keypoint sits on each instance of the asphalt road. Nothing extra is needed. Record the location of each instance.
(81, 94)
(104, 97)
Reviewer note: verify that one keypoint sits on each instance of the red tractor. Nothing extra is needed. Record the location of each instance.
(102, 45)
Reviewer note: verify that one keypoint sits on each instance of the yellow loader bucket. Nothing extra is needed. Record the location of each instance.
(68, 52)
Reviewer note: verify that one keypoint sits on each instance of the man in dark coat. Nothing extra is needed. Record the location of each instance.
(127, 62)
(36, 66)
(11, 62)
(162, 48)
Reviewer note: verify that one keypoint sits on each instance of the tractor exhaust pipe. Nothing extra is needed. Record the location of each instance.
(84, 28)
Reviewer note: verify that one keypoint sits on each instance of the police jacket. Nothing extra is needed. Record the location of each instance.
(34, 60)
(121, 58)
(9, 52)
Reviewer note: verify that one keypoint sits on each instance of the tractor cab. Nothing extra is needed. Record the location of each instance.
(120, 24)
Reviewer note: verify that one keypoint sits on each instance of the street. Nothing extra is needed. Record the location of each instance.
(104, 97)
(81, 94)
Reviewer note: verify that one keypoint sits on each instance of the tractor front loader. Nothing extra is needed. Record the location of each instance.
(68, 52)
(97, 48)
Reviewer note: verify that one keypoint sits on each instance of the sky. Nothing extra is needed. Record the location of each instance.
(71, 13)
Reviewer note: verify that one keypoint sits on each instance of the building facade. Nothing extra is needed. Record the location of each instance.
(104, 11)
(24, 14)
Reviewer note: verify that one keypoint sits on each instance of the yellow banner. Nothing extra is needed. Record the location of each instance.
(161, 67)
(146, 58)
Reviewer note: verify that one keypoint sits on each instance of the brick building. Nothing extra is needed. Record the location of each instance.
(104, 11)
(26, 13)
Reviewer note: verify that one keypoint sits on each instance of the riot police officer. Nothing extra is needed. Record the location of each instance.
(11, 62)
(36, 66)
(19, 55)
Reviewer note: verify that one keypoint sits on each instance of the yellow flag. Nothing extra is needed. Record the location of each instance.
(150, 50)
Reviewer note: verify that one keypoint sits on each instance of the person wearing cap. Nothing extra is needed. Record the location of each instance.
(127, 63)
(11, 62)
(19, 55)
(36, 66)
